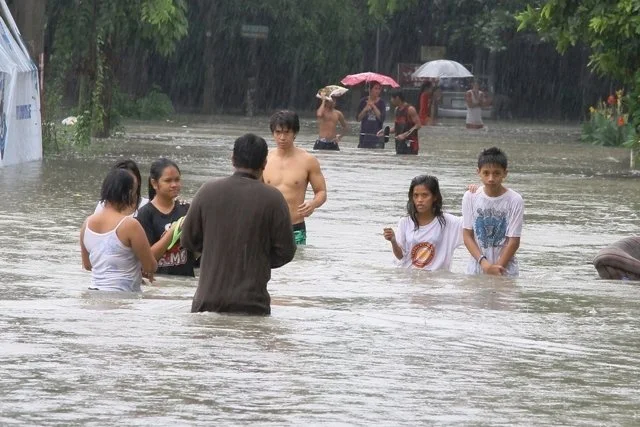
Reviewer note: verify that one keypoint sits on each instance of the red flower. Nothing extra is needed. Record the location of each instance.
(620, 121)
(611, 100)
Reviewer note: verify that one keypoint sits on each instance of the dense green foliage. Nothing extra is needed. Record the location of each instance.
(608, 123)
(88, 38)
(108, 59)
(612, 30)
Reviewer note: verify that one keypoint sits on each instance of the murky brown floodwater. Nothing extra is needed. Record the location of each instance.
(352, 339)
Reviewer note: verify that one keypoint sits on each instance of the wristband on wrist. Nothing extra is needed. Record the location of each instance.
(481, 258)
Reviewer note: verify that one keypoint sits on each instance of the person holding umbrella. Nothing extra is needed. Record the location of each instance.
(371, 115)
(372, 108)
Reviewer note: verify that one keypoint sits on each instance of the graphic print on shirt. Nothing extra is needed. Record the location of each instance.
(177, 255)
(491, 227)
(422, 254)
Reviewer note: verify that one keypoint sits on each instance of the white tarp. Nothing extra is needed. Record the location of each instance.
(20, 120)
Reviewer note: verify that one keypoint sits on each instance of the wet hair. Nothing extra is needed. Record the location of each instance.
(249, 152)
(431, 183)
(492, 156)
(287, 120)
(155, 172)
(397, 94)
(131, 166)
(118, 189)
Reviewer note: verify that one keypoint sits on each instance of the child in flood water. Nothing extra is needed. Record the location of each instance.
(427, 237)
(157, 217)
(493, 218)
(112, 243)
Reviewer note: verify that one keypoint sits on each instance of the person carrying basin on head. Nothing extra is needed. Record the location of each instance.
(291, 169)
(406, 125)
(371, 114)
(161, 219)
(328, 119)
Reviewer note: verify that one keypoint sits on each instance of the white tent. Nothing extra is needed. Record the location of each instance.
(20, 120)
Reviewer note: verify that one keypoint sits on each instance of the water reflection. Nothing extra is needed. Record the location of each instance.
(351, 340)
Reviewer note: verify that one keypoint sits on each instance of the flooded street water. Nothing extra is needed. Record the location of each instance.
(352, 339)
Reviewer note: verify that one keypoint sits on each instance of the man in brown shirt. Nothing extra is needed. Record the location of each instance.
(243, 229)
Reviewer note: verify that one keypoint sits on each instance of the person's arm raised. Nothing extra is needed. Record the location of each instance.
(362, 109)
(320, 110)
(377, 112)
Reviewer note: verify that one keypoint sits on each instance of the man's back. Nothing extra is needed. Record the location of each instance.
(243, 229)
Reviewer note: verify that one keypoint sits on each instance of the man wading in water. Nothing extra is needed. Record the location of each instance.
(328, 119)
(291, 169)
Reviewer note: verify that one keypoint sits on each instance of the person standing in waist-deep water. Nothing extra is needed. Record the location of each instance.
(425, 103)
(162, 212)
(475, 100)
(112, 243)
(492, 219)
(427, 236)
(328, 119)
(291, 169)
(243, 230)
(406, 125)
(371, 115)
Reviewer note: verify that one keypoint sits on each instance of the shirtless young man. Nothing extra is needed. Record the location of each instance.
(291, 169)
(328, 119)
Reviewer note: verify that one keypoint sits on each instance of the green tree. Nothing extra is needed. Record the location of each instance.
(89, 37)
(612, 30)
(309, 44)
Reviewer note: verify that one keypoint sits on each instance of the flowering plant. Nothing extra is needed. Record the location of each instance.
(608, 123)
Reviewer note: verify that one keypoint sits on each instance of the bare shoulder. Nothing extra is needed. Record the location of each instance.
(131, 224)
(309, 159)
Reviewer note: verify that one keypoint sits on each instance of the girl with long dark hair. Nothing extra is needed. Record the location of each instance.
(427, 236)
(161, 219)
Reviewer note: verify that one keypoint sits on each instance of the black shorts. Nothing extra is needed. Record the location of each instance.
(324, 144)
(406, 147)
